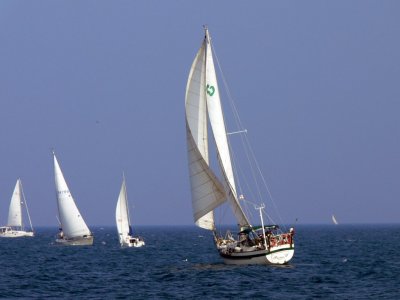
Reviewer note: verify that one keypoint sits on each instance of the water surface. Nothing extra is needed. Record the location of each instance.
(330, 262)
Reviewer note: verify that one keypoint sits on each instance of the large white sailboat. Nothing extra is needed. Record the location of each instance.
(73, 229)
(122, 218)
(265, 244)
(15, 225)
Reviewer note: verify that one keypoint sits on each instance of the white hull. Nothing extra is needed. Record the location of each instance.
(16, 233)
(130, 241)
(276, 256)
(78, 241)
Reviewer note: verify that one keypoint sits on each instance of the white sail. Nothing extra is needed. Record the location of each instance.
(122, 212)
(334, 220)
(15, 211)
(204, 110)
(71, 220)
(207, 191)
(218, 127)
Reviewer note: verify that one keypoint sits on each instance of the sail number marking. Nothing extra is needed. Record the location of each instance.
(210, 90)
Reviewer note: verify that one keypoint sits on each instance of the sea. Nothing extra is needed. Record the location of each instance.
(330, 262)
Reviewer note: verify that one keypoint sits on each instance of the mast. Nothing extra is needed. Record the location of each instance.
(216, 117)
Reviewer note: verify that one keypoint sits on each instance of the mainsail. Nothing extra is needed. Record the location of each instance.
(71, 220)
(202, 97)
(122, 212)
(15, 211)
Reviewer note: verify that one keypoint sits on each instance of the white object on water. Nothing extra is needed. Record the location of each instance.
(202, 103)
(334, 220)
(74, 230)
(122, 219)
(15, 226)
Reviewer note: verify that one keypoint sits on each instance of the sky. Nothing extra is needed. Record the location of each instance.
(102, 83)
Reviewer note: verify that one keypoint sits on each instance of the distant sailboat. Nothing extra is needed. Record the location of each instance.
(73, 229)
(334, 220)
(15, 225)
(123, 221)
(252, 245)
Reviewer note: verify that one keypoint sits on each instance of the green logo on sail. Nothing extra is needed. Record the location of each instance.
(210, 90)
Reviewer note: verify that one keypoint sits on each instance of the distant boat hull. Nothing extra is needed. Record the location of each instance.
(130, 241)
(78, 241)
(8, 232)
(275, 256)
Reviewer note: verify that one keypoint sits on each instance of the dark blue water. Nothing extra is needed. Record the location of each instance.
(331, 262)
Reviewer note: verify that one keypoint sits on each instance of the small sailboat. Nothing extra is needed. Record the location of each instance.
(334, 220)
(73, 229)
(15, 225)
(123, 221)
(265, 244)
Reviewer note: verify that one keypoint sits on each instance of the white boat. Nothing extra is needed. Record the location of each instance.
(73, 229)
(334, 220)
(265, 244)
(122, 218)
(15, 225)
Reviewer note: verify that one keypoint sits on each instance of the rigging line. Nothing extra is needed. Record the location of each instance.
(26, 204)
(237, 119)
(268, 189)
(238, 170)
(240, 124)
(250, 190)
(233, 193)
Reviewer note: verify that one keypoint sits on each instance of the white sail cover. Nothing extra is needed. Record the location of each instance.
(71, 220)
(15, 212)
(207, 191)
(122, 212)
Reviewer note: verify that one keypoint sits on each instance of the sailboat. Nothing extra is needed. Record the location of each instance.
(334, 220)
(123, 221)
(15, 225)
(73, 229)
(265, 244)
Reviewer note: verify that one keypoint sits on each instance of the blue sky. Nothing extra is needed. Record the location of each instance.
(103, 83)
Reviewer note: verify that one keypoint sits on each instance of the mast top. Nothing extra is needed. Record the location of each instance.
(207, 35)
